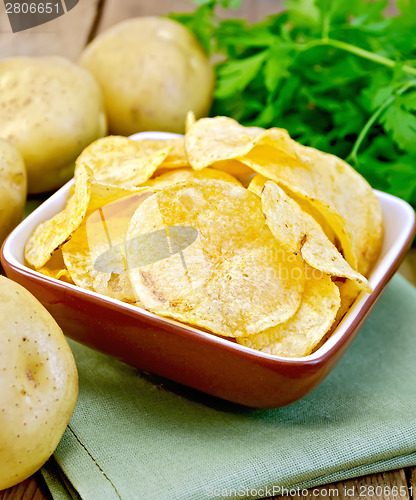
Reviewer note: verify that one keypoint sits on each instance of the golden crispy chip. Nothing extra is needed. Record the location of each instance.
(325, 182)
(103, 194)
(187, 174)
(333, 187)
(52, 233)
(246, 180)
(299, 335)
(348, 293)
(58, 274)
(189, 121)
(222, 143)
(176, 158)
(256, 186)
(233, 167)
(92, 255)
(55, 267)
(212, 140)
(220, 267)
(299, 232)
(121, 161)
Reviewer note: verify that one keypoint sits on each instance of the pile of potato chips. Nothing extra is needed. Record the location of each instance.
(238, 230)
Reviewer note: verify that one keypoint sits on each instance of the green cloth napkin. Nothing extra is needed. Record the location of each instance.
(136, 436)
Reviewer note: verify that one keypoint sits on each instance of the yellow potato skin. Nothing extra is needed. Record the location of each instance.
(50, 110)
(152, 71)
(13, 188)
(38, 384)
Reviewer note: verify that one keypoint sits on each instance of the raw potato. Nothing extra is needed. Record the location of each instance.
(50, 110)
(152, 71)
(13, 187)
(38, 384)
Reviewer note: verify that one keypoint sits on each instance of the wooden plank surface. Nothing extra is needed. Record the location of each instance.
(116, 11)
(67, 36)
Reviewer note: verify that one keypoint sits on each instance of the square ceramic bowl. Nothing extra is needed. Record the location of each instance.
(185, 354)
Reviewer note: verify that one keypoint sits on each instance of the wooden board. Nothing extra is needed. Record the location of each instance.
(65, 36)
(116, 11)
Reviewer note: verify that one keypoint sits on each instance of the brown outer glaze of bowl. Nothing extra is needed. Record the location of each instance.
(204, 362)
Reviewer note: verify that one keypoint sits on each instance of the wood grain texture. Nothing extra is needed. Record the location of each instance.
(26, 490)
(411, 477)
(116, 11)
(65, 36)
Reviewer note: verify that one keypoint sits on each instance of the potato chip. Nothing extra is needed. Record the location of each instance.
(333, 187)
(256, 186)
(299, 335)
(212, 140)
(326, 183)
(58, 274)
(55, 268)
(348, 293)
(105, 228)
(103, 194)
(187, 174)
(176, 158)
(233, 167)
(233, 279)
(221, 143)
(189, 121)
(299, 232)
(52, 233)
(121, 161)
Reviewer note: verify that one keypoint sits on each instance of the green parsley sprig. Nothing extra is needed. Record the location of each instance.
(339, 75)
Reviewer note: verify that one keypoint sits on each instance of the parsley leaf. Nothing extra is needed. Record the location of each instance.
(401, 125)
(234, 76)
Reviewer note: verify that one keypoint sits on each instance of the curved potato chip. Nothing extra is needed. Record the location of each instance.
(325, 182)
(176, 158)
(221, 141)
(187, 174)
(122, 161)
(52, 233)
(299, 335)
(233, 279)
(212, 140)
(299, 231)
(333, 187)
(233, 167)
(256, 186)
(55, 267)
(348, 293)
(103, 194)
(56, 273)
(104, 228)
(190, 120)
(355, 200)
